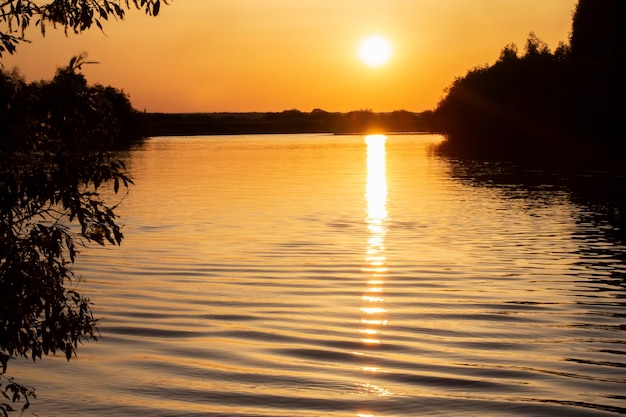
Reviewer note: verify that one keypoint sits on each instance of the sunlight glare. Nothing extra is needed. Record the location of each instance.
(375, 50)
(376, 194)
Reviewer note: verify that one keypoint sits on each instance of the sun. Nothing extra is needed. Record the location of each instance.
(375, 50)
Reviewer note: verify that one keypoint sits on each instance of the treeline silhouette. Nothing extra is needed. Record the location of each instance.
(64, 113)
(546, 106)
(288, 121)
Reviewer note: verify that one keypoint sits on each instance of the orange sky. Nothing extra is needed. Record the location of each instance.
(272, 55)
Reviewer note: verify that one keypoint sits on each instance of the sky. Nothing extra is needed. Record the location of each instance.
(274, 55)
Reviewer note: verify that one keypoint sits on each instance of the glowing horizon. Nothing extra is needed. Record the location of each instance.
(276, 55)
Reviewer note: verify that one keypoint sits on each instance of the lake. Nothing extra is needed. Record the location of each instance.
(320, 275)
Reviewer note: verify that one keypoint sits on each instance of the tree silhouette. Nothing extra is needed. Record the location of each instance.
(598, 55)
(544, 106)
(56, 153)
(598, 30)
(16, 16)
(52, 168)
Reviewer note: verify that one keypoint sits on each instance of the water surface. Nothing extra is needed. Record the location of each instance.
(315, 275)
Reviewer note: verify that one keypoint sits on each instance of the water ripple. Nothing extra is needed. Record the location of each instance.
(257, 280)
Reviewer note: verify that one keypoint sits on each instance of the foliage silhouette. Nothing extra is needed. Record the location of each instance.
(56, 155)
(542, 106)
(288, 121)
(77, 15)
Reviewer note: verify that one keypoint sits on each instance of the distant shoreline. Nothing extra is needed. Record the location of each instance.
(288, 121)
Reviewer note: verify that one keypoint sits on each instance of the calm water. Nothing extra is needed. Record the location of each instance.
(316, 275)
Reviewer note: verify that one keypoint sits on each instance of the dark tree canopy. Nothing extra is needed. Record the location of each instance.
(16, 16)
(599, 30)
(561, 106)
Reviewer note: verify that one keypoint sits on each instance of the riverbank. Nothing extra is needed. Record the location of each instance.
(288, 121)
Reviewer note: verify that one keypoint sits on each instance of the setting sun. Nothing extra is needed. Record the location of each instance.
(375, 50)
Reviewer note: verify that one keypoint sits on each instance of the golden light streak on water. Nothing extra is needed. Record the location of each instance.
(377, 216)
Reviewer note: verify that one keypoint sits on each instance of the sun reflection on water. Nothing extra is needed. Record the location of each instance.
(372, 309)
